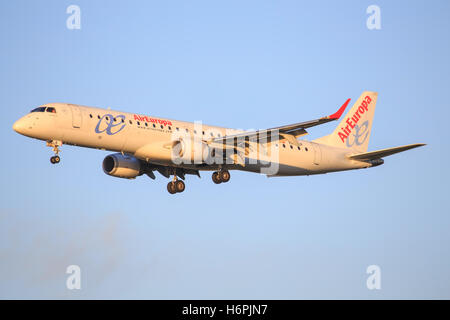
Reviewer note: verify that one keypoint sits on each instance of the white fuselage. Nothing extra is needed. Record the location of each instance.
(149, 138)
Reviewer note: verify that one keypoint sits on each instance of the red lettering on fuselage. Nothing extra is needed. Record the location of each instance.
(152, 120)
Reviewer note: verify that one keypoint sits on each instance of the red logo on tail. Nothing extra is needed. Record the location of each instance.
(351, 122)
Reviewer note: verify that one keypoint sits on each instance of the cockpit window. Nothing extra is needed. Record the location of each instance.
(44, 109)
(40, 109)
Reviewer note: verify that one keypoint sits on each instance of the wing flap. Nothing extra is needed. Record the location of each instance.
(378, 154)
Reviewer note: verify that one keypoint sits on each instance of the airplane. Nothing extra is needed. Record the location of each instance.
(144, 144)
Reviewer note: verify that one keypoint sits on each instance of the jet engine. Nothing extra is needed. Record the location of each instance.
(192, 151)
(122, 166)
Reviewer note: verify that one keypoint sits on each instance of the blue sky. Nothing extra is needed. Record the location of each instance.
(242, 64)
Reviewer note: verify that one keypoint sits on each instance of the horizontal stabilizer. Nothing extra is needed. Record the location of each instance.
(373, 155)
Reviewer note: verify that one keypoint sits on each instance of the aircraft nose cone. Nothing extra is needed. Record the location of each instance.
(19, 126)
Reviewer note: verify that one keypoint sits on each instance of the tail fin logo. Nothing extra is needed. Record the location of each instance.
(361, 133)
(352, 124)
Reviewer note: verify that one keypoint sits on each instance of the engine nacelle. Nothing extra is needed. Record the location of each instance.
(122, 166)
(191, 151)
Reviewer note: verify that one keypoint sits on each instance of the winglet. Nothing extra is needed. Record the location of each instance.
(339, 113)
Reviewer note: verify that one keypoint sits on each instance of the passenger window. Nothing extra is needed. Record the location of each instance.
(298, 148)
(90, 116)
(123, 120)
(292, 147)
(98, 116)
(154, 125)
(146, 124)
(162, 127)
(170, 128)
(306, 149)
(138, 123)
(131, 122)
(178, 129)
(284, 146)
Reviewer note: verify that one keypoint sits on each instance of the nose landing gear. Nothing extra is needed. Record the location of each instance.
(55, 144)
(221, 176)
(55, 159)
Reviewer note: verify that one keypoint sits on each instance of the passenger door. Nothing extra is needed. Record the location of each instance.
(76, 116)
(317, 153)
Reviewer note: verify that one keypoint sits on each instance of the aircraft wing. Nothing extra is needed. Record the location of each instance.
(289, 132)
(373, 155)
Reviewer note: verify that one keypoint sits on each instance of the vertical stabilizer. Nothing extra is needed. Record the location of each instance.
(354, 130)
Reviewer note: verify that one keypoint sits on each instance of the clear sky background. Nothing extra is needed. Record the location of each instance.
(241, 64)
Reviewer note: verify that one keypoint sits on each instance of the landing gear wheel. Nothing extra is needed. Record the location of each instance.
(224, 176)
(171, 187)
(179, 186)
(216, 178)
(55, 144)
(55, 159)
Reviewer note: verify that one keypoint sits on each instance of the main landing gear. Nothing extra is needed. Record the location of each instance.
(55, 145)
(221, 176)
(176, 186)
